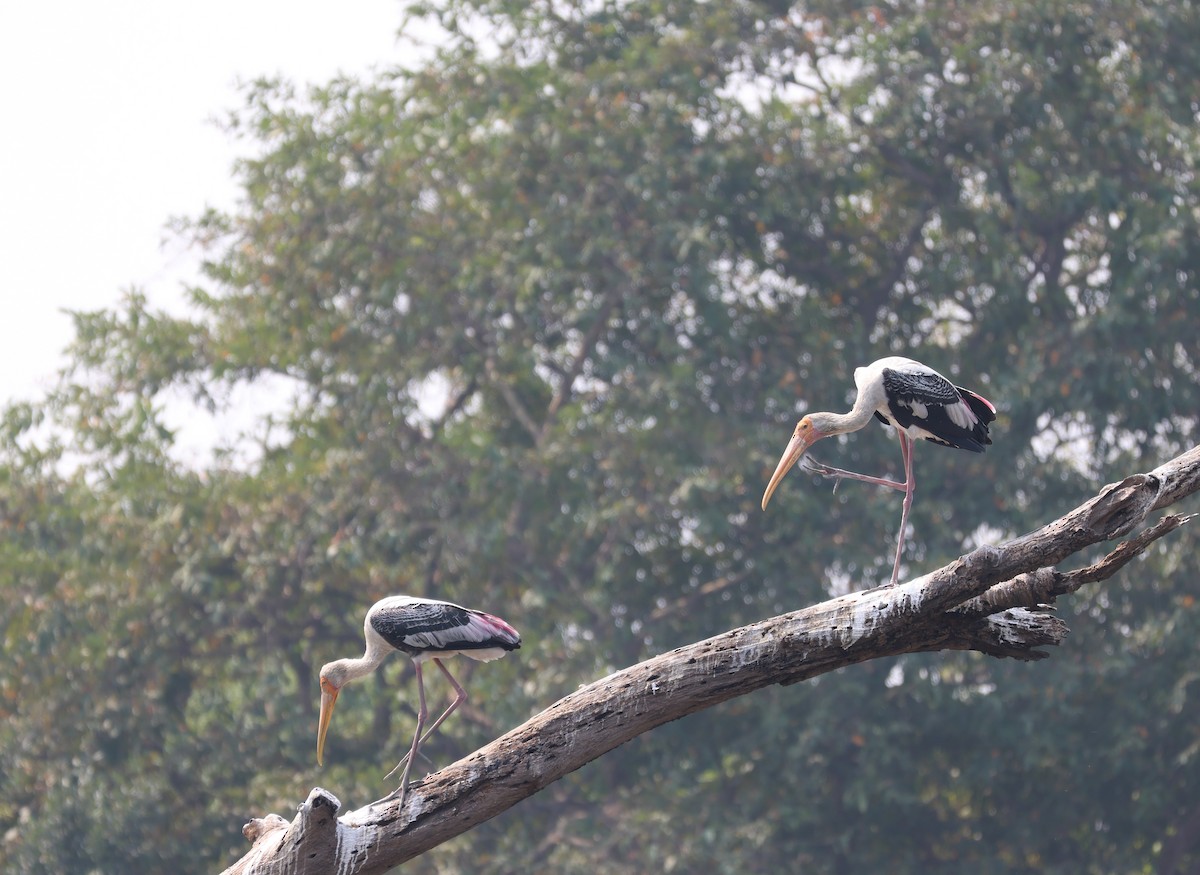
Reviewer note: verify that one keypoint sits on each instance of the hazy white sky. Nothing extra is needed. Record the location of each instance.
(108, 133)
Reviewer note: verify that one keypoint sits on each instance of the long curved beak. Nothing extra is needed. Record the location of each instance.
(796, 448)
(329, 694)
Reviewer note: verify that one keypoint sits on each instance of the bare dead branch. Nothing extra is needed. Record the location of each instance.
(1046, 584)
(993, 600)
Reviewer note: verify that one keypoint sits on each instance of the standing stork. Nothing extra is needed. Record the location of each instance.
(424, 629)
(915, 400)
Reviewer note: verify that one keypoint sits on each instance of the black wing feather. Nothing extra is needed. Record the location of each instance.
(926, 388)
(441, 627)
(936, 394)
(398, 624)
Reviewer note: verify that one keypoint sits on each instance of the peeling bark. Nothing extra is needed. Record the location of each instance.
(997, 600)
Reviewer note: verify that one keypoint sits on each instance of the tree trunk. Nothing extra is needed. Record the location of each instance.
(996, 600)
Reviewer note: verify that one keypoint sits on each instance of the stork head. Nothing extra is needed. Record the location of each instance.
(333, 676)
(806, 434)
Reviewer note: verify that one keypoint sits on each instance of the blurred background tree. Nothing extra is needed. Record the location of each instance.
(548, 304)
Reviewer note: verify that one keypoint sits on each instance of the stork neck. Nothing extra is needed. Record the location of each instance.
(841, 423)
(377, 651)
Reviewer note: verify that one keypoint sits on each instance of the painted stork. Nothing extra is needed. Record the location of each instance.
(915, 400)
(424, 629)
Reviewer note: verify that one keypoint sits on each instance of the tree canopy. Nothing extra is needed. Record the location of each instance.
(546, 303)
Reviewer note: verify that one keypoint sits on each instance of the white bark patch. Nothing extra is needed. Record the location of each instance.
(1020, 619)
(253, 859)
(354, 844)
(358, 817)
(866, 615)
(414, 806)
(748, 654)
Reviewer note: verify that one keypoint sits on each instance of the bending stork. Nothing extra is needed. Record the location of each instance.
(915, 400)
(424, 629)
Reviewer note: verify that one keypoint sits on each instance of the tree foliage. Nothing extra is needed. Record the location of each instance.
(547, 305)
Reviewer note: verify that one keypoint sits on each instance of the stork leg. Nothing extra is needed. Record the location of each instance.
(910, 486)
(422, 713)
(460, 696)
(838, 473)
(907, 487)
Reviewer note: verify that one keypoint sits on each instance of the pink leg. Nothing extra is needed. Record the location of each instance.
(422, 713)
(910, 486)
(907, 487)
(829, 471)
(460, 696)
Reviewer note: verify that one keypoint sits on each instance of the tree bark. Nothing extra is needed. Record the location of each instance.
(997, 600)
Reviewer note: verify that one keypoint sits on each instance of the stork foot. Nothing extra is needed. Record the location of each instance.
(398, 794)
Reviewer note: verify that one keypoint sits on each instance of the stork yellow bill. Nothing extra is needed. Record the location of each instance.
(329, 694)
(802, 438)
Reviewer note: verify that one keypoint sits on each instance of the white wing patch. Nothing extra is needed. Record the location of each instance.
(960, 414)
(473, 631)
